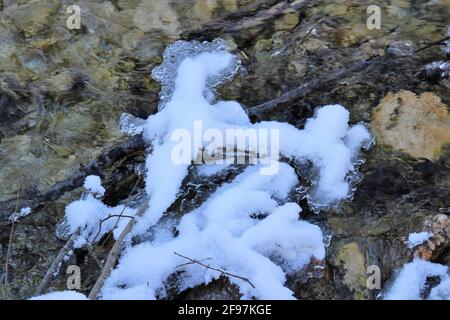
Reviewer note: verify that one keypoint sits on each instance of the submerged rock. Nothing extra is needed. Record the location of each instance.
(417, 125)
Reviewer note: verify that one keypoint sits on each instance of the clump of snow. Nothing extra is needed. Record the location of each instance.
(91, 217)
(411, 280)
(93, 184)
(247, 227)
(61, 295)
(225, 230)
(441, 68)
(21, 214)
(416, 238)
(131, 125)
(79, 242)
(327, 140)
(181, 50)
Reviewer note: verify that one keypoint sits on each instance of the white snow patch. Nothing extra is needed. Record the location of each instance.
(247, 227)
(410, 281)
(224, 231)
(92, 217)
(416, 238)
(79, 242)
(327, 140)
(21, 214)
(93, 184)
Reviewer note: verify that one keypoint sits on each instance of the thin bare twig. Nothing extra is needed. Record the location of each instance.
(434, 43)
(120, 215)
(106, 219)
(309, 32)
(222, 272)
(8, 252)
(114, 253)
(306, 88)
(190, 262)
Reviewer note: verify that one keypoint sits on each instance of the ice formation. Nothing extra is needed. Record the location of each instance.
(246, 227)
(416, 238)
(223, 229)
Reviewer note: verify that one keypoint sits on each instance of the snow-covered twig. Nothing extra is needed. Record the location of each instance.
(223, 272)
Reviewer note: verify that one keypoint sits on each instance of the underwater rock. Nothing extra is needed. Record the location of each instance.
(417, 125)
(352, 262)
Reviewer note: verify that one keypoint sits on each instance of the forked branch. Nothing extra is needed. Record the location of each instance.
(207, 266)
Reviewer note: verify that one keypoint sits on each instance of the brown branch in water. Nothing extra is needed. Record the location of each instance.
(97, 165)
(102, 162)
(434, 43)
(306, 88)
(222, 272)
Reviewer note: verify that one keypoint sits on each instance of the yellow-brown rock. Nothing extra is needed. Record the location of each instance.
(417, 125)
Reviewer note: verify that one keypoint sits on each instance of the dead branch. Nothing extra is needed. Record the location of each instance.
(306, 88)
(120, 215)
(106, 219)
(207, 266)
(102, 162)
(434, 43)
(56, 264)
(8, 252)
(115, 252)
(99, 164)
(308, 33)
